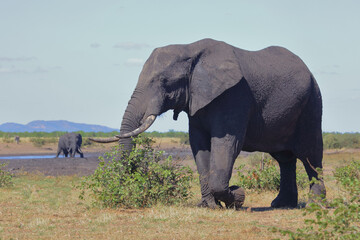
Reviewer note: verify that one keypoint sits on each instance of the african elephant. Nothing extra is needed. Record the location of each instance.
(17, 139)
(264, 100)
(70, 143)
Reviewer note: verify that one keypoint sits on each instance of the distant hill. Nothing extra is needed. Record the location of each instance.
(51, 126)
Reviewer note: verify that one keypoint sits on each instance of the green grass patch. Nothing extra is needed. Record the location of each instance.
(5, 176)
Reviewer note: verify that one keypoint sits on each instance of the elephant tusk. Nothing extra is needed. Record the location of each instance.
(104, 140)
(148, 122)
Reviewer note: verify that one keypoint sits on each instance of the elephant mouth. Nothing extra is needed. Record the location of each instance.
(147, 123)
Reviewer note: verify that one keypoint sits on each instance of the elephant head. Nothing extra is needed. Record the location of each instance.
(181, 78)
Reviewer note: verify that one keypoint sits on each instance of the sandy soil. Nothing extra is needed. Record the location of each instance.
(72, 166)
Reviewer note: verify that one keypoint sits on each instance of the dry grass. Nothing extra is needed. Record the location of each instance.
(40, 207)
(27, 147)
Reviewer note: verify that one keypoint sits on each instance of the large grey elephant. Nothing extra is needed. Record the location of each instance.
(70, 143)
(265, 100)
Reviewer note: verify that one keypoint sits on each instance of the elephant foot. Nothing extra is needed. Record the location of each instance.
(211, 203)
(317, 192)
(239, 197)
(284, 201)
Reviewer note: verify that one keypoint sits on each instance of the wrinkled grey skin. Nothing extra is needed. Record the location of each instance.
(70, 143)
(265, 100)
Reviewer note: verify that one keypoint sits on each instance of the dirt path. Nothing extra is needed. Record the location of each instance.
(54, 166)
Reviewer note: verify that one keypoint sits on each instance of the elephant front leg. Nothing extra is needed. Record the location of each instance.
(202, 159)
(200, 146)
(223, 154)
(72, 152)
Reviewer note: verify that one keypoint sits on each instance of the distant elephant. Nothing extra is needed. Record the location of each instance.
(264, 100)
(17, 139)
(70, 143)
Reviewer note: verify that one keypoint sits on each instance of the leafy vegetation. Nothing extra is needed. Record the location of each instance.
(141, 178)
(265, 176)
(341, 140)
(339, 218)
(170, 133)
(5, 176)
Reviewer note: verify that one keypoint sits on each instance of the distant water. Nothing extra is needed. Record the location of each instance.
(30, 156)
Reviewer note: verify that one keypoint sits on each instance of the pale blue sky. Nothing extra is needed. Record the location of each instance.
(79, 60)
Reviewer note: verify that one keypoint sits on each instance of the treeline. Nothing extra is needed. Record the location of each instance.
(332, 140)
(341, 140)
(171, 133)
(55, 134)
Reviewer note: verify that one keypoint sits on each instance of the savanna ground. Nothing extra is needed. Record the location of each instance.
(47, 206)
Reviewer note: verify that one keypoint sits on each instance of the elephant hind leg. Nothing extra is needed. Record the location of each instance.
(288, 194)
(309, 142)
(310, 152)
(312, 164)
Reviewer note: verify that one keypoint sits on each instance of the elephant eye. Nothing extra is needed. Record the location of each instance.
(164, 80)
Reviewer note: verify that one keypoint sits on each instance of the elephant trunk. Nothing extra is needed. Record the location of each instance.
(131, 123)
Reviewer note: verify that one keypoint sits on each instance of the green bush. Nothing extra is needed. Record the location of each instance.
(349, 177)
(267, 178)
(331, 142)
(337, 219)
(341, 140)
(140, 179)
(5, 176)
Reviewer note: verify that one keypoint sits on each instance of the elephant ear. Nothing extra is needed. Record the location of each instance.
(216, 71)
